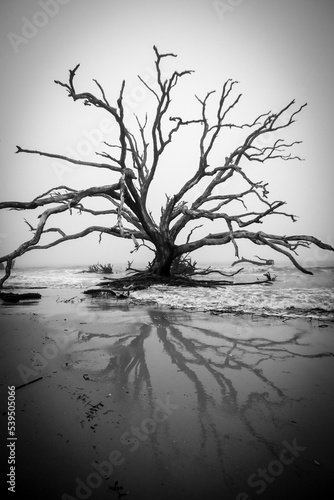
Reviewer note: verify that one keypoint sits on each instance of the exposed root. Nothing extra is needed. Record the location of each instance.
(145, 279)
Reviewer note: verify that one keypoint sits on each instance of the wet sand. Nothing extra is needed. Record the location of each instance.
(140, 402)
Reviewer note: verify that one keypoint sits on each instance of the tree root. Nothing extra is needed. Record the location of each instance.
(144, 279)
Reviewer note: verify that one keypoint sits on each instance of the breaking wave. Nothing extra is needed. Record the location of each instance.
(291, 295)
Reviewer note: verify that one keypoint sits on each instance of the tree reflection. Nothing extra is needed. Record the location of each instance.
(226, 374)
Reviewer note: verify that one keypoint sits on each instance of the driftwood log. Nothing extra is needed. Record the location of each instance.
(16, 297)
(96, 292)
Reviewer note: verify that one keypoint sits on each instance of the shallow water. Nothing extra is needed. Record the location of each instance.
(293, 294)
(195, 404)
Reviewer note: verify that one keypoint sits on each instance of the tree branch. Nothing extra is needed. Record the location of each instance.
(70, 160)
(259, 238)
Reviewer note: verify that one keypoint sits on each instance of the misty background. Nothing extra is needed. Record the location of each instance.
(278, 50)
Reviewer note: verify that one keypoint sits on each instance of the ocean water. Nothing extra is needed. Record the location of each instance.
(292, 294)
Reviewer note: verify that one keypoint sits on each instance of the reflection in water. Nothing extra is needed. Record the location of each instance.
(232, 379)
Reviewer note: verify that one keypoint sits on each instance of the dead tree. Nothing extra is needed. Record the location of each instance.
(134, 163)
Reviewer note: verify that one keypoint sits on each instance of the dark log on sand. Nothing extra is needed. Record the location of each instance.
(95, 292)
(16, 297)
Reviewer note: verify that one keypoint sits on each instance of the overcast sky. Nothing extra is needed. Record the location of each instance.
(277, 49)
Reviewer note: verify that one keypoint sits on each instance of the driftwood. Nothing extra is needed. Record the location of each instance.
(28, 383)
(99, 268)
(16, 297)
(119, 295)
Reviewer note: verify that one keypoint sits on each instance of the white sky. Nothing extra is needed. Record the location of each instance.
(277, 49)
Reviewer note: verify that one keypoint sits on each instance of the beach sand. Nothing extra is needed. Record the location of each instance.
(165, 404)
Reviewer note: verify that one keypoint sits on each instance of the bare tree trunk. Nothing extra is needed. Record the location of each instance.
(163, 259)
